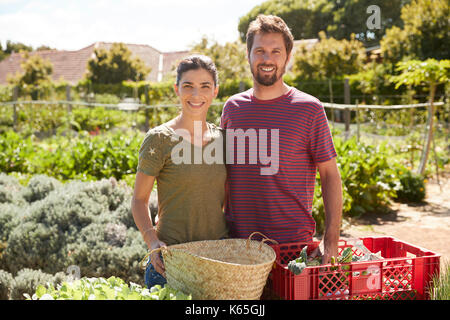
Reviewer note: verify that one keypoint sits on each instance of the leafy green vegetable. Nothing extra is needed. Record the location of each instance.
(112, 288)
(346, 255)
(297, 265)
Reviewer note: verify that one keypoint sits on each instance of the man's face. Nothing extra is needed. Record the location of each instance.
(268, 58)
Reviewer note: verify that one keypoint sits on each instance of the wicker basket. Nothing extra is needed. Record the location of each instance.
(228, 269)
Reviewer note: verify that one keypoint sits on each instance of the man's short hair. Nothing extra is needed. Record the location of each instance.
(269, 24)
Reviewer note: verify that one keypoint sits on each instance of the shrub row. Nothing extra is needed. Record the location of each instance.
(371, 175)
(26, 281)
(371, 179)
(49, 226)
(83, 157)
(147, 92)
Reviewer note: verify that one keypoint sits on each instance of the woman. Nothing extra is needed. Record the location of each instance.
(190, 192)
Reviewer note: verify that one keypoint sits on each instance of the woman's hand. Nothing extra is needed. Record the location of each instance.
(141, 214)
(155, 258)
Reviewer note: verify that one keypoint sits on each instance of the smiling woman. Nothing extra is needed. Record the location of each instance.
(190, 193)
(196, 87)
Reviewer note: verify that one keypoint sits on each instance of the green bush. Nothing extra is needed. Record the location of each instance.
(371, 179)
(6, 93)
(10, 190)
(107, 98)
(368, 174)
(412, 187)
(87, 224)
(27, 280)
(85, 157)
(98, 118)
(15, 150)
(39, 187)
(318, 210)
(6, 280)
(10, 215)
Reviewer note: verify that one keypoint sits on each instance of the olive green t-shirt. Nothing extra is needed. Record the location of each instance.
(190, 184)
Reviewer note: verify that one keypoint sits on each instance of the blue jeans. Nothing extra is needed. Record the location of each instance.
(152, 277)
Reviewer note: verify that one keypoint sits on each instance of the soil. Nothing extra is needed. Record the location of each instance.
(425, 225)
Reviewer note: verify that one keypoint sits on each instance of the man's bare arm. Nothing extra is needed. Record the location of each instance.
(332, 199)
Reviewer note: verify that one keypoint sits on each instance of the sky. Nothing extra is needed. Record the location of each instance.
(166, 25)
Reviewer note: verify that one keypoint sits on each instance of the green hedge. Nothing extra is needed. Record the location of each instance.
(371, 179)
(371, 176)
(83, 157)
(50, 226)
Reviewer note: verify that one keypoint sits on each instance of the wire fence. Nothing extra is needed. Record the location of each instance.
(376, 121)
(404, 127)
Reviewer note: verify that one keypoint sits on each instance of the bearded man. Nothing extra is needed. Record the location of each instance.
(278, 203)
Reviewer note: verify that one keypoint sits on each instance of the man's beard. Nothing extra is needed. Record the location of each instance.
(267, 80)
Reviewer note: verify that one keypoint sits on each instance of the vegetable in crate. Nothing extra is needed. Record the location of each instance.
(297, 266)
(346, 255)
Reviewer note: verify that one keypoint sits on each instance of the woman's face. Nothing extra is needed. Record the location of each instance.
(196, 90)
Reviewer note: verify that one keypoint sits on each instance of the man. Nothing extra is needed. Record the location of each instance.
(278, 202)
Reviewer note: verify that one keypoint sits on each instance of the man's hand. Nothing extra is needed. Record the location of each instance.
(325, 251)
(330, 250)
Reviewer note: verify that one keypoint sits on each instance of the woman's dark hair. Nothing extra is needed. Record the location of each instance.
(196, 62)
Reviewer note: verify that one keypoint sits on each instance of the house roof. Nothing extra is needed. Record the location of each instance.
(72, 65)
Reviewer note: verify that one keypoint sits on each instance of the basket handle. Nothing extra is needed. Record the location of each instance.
(144, 262)
(265, 239)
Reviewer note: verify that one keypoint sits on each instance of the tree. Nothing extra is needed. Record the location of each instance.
(369, 23)
(13, 47)
(340, 19)
(329, 58)
(230, 58)
(116, 65)
(3, 54)
(430, 72)
(424, 34)
(306, 18)
(36, 73)
(16, 47)
(43, 48)
(373, 80)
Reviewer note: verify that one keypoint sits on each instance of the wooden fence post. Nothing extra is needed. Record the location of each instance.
(330, 88)
(347, 101)
(357, 121)
(15, 97)
(241, 86)
(69, 110)
(147, 111)
(69, 98)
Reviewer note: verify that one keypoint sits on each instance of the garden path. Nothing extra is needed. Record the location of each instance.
(426, 225)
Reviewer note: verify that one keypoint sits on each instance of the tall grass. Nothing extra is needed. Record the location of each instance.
(440, 287)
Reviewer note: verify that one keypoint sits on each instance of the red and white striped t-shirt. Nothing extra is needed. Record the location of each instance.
(293, 130)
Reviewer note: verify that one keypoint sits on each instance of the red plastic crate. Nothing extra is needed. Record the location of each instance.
(404, 273)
